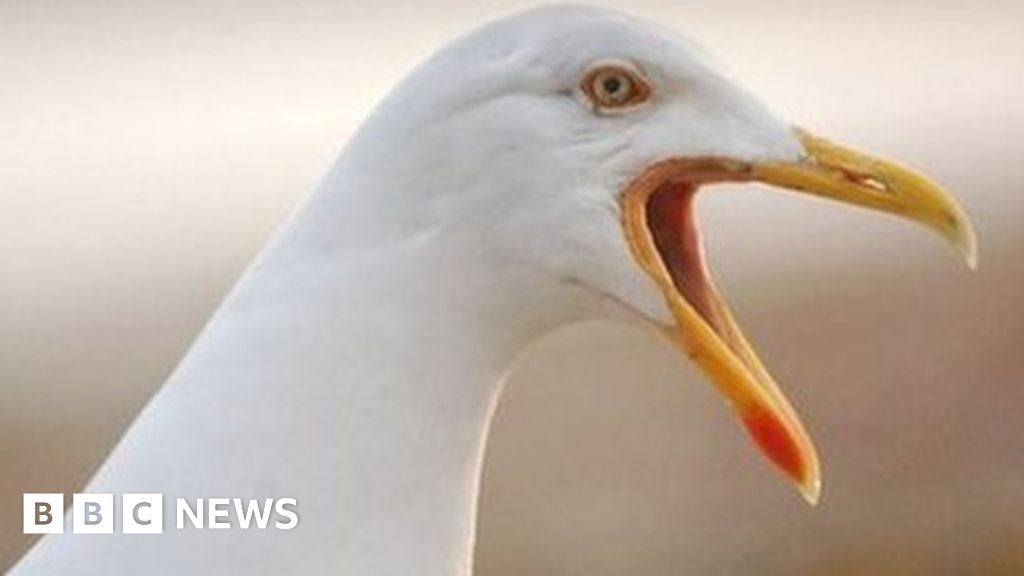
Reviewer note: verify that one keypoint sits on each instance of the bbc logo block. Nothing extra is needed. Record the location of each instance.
(92, 514)
(142, 513)
(43, 513)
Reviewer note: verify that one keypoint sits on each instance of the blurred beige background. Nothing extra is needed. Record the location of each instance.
(148, 149)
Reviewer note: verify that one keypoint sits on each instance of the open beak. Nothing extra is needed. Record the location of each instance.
(661, 229)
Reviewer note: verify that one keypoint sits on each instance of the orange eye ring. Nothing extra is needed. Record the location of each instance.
(613, 86)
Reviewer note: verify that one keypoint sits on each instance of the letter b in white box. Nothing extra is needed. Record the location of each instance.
(42, 513)
(142, 513)
(93, 513)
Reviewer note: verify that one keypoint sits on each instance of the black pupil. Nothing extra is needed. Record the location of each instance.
(612, 85)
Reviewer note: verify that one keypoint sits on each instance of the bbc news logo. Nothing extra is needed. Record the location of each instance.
(144, 513)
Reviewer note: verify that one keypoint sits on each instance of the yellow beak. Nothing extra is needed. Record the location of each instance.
(833, 171)
(661, 230)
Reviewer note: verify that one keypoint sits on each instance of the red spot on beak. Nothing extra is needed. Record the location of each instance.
(777, 441)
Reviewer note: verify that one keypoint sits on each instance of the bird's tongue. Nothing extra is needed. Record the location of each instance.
(714, 340)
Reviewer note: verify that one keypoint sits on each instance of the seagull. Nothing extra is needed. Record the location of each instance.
(538, 172)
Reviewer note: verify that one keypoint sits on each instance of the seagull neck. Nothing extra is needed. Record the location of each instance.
(408, 344)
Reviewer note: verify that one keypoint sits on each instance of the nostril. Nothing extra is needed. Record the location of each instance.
(874, 182)
(866, 180)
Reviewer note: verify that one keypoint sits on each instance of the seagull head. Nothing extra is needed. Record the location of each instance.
(575, 139)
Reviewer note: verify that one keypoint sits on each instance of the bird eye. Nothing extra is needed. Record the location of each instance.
(614, 86)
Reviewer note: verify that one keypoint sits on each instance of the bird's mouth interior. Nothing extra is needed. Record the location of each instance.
(672, 223)
(662, 230)
(671, 219)
(665, 203)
